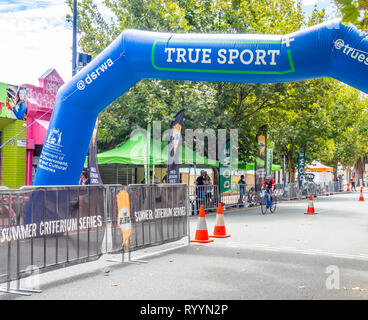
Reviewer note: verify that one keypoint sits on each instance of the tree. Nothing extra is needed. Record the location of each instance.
(354, 11)
(348, 125)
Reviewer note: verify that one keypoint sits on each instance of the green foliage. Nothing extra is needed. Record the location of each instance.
(354, 11)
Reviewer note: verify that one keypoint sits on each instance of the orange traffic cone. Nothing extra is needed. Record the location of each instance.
(201, 232)
(348, 188)
(361, 198)
(310, 206)
(219, 230)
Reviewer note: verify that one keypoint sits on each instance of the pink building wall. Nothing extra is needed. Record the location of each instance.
(40, 103)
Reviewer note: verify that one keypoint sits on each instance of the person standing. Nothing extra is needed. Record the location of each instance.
(339, 183)
(353, 183)
(200, 179)
(207, 188)
(153, 179)
(200, 182)
(242, 187)
(83, 181)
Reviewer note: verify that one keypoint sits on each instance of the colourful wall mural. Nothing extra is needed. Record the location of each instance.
(13, 102)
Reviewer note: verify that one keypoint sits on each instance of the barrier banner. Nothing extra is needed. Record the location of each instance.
(173, 150)
(269, 159)
(49, 228)
(225, 167)
(260, 164)
(148, 215)
(301, 166)
(124, 221)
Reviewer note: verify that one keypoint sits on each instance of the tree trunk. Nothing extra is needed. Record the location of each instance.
(291, 168)
(359, 169)
(216, 176)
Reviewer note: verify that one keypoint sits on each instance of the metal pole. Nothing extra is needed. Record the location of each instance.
(153, 174)
(188, 208)
(74, 54)
(117, 174)
(56, 235)
(189, 176)
(9, 244)
(284, 173)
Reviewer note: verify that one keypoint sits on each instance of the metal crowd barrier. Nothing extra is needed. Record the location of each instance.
(331, 188)
(148, 215)
(43, 228)
(289, 191)
(233, 197)
(208, 196)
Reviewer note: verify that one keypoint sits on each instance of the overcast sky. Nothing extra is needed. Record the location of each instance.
(35, 37)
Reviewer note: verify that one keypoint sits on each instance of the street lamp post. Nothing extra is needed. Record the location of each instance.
(74, 55)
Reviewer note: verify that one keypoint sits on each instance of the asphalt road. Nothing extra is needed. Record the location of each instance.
(285, 255)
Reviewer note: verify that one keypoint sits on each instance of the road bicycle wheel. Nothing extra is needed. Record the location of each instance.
(273, 205)
(264, 205)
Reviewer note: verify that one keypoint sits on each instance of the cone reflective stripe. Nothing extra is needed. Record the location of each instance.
(219, 230)
(310, 209)
(361, 198)
(201, 234)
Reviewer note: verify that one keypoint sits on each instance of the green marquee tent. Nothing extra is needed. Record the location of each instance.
(133, 152)
(250, 166)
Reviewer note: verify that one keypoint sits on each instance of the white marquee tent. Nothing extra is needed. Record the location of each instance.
(323, 173)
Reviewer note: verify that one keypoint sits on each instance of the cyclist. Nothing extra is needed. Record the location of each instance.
(269, 183)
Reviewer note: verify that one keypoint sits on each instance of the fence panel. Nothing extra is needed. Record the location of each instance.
(147, 215)
(208, 196)
(49, 227)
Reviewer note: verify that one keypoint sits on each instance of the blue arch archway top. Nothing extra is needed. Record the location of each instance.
(330, 49)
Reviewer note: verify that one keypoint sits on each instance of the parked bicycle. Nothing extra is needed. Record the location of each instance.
(251, 197)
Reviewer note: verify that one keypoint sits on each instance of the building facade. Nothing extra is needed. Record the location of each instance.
(25, 113)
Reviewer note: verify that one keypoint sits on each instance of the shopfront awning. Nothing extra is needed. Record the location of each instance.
(39, 131)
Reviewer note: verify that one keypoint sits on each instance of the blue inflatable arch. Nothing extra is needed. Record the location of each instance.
(327, 50)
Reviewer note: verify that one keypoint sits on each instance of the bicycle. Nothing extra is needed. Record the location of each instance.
(251, 197)
(268, 203)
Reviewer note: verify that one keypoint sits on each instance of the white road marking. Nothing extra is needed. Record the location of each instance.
(239, 245)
